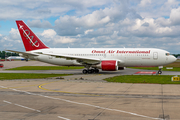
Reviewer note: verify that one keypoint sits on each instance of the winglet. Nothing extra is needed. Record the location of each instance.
(30, 40)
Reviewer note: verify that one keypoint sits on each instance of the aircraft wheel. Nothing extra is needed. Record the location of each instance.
(96, 71)
(84, 71)
(90, 71)
(159, 72)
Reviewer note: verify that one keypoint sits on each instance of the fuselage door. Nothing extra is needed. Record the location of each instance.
(155, 55)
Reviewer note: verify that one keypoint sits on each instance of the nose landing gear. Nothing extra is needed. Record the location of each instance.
(160, 70)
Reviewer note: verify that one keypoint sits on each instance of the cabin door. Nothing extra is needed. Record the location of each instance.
(155, 55)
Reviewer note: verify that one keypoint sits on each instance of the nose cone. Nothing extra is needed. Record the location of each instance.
(172, 59)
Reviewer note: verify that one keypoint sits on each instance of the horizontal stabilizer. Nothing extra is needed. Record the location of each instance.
(23, 53)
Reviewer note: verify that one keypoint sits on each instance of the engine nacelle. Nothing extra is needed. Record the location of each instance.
(108, 65)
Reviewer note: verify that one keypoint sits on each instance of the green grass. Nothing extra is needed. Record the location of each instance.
(152, 79)
(175, 65)
(156, 68)
(46, 68)
(10, 76)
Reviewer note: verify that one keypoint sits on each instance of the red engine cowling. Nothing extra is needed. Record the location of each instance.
(109, 65)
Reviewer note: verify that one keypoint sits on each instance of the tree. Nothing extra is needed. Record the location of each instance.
(176, 55)
(4, 54)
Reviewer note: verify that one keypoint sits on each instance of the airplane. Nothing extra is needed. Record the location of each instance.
(15, 58)
(93, 59)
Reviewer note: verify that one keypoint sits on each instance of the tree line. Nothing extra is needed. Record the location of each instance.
(4, 54)
(176, 55)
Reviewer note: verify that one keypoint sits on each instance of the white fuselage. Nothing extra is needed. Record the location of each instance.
(129, 57)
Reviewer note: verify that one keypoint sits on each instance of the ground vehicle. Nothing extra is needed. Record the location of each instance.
(1, 65)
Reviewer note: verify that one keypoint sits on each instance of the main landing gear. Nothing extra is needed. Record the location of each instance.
(90, 71)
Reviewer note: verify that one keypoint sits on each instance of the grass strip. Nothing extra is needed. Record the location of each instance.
(152, 79)
(156, 68)
(10, 76)
(174, 65)
(46, 68)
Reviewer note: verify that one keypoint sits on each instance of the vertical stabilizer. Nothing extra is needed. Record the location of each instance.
(30, 40)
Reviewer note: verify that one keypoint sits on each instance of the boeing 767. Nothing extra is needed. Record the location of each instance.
(93, 59)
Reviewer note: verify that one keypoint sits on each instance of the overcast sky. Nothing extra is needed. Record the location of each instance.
(93, 23)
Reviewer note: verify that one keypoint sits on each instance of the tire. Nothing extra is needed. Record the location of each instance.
(159, 72)
(92, 70)
(84, 71)
(89, 71)
(96, 71)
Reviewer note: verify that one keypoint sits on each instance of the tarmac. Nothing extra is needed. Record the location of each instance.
(86, 97)
(13, 64)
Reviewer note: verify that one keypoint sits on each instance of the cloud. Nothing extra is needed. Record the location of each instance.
(52, 38)
(156, 9)
(143, 3)
(98, 19)
(163, 21)
(39, 24)
(50, 33)
(11, 41)
(63, 39)
(145, 24)
(14, 34)
(175, 16)
(102, 23)
(163, 30)
(87, 31)
(42, 9)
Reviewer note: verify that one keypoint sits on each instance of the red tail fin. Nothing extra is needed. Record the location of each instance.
(30, 40)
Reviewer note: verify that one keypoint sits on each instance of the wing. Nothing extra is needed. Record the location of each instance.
(26, 54)
(79, 59)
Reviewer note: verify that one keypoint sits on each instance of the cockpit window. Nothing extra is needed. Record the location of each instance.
(167, 54)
